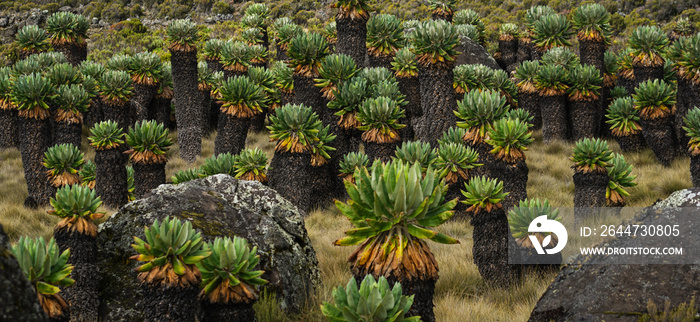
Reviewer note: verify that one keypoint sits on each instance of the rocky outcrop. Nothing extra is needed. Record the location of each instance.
(472, 53)
(217, 206)
(605, 291)
(18, 301)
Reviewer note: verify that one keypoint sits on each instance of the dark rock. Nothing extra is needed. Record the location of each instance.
(472, 53)
(18, 301)
(590, 292)
(217, 206)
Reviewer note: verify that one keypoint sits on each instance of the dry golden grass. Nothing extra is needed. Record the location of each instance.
(461, 294)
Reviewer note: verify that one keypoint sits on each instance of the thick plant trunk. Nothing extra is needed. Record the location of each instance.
(422, 289)
(147, 177)
(509, 53)
(33, 143)
(305, 92)
(117, 112)
(695, 170)
(589, 193)
(485, 158)
(232, 312)
(530, 103)
(585, 119)
(214, 65)
(539, 265)
(94, 114)
(380, 61)
(628, 84)
(380, 151)
(143, 96)
(110, 177)
(592, 53)
(281, 54)
(161, 106)
(187, 104)
(490, 250)
(327, 185)
(8, 128)
(659, 135)
(205, 105)
(454, 191)
(514, 178)
(257, 122)
(75, 53)
(82, 296)
(68, 133)
(642, 74)
(554, 117)
(438, 102)
(604, 128)
(631, 143)
(175, 304)
(290, 175)
(352, 36)
(688, 97)
(524, 47)
(232, 133)
(410, 87)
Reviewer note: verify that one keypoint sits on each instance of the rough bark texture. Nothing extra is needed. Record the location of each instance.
(534, 263)
(379, 61)
(82, 296)
(110, 177)
(454, 191)
(143, 96)
(233, 312)
(217, 206)
(642, 74)
(118, 113)
(585, 119)
(305, 92)
(214, 65)
(187, 105)
(509, 53)
(33, 143)
(169, 303)
(161, 108)
(380, 151)
(631, 143)
(592, 53)
(695, 170)
(554, 117)
(530, 103)
(688, 97)
(8, 129)
(490, 250)
(281, 55)
(94, 113)
(514, 177)
(68, 133)
(438, 101)
(604, 128)
(257, 123)
(595, 288)
(352, 36)
(628, 84)
(485, 158)
(523, 52)
(410, 87)
(75, 54)
(205, 105)
(589, 193)
(290, 175)
(147, 177)
(232, 133)
(16, 289)
(659, 135)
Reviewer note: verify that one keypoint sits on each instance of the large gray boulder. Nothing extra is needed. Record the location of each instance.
(217, 206)
(471, 53)
(605, 292)
(18, 301)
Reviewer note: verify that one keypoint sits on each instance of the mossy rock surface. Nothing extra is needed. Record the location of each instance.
(217, 206)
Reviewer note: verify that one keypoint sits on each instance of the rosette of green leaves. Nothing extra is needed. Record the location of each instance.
(376, 75)
(116, 86)
(320, 147)
(654, 99)
(483, 194)
(384, 35)
(146, 68)
(352, 162)
(618, 92)
(172, 246)
(228, 274)
(470, 17)
(591, 155)
(509, 139)
(67, 28)
(283, 76)
(648, 43)
(525, 73)
(620, 177)
(562, 56)
(550, 31)
(404, 64)
(258, 54)
(373, 301)
(468, 31)
(691, 126)
(502, 82)
(535, 13)
(352, 9)
(585, 83)
(520, 217)
(285, 33)
(294, 127)
(224, 163)
(306, 52)
(258, 9)
(27, 66)
(519, 114)
(455, 160)
(119, 62)
(251, 164)
(77, 206)
(43, 264)
(593, 23)
(330, 31)
(63, 74)
(478, 111)
(212, 49)
(186, 175)
(71, 101)
(182, 35)
(87, 174)
(419, 152)
(453, 135)
(348, 98)
(106, 135)
(551, 80)
(335, 69)
(31, 95)
(241, 97)
(434, 43)
(623, 117)
(685, 54)
(379, 119)
(149, 142)
(63, 160)
(32, 39)
(235, 56)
